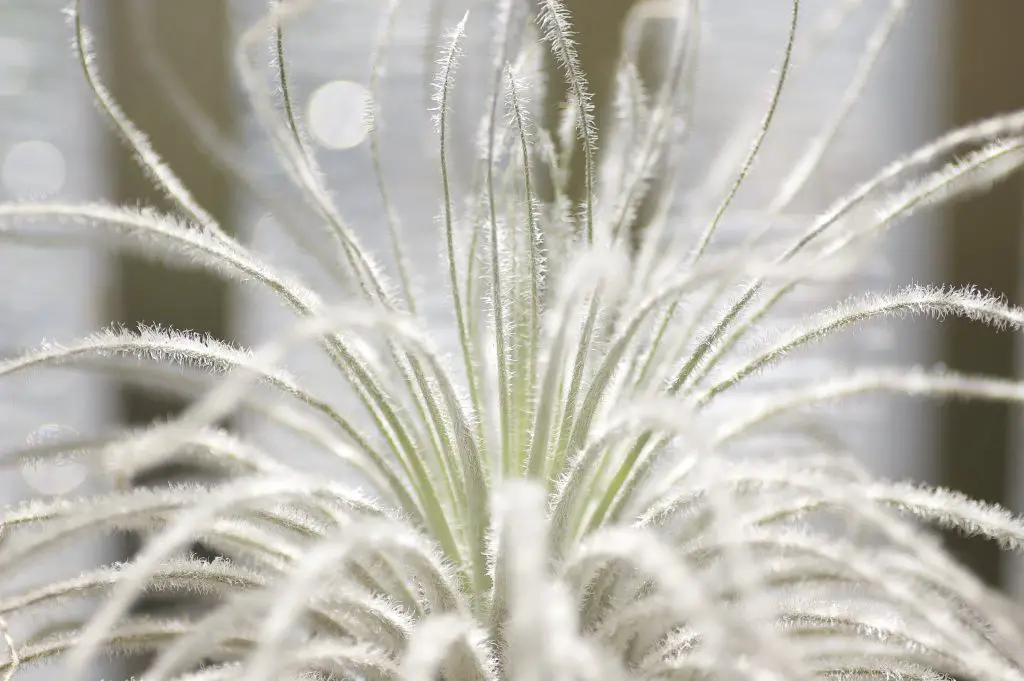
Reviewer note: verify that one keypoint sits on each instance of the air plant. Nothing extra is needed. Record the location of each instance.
(594, 486)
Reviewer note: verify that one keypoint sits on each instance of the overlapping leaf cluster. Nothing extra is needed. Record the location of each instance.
(571, 501)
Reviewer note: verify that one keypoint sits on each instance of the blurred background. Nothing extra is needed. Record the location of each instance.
(949, 62)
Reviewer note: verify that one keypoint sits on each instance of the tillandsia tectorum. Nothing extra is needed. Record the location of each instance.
(565, 497)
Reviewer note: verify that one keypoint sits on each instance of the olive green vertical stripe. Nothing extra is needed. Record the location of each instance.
(983, 248)
(193, 35)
